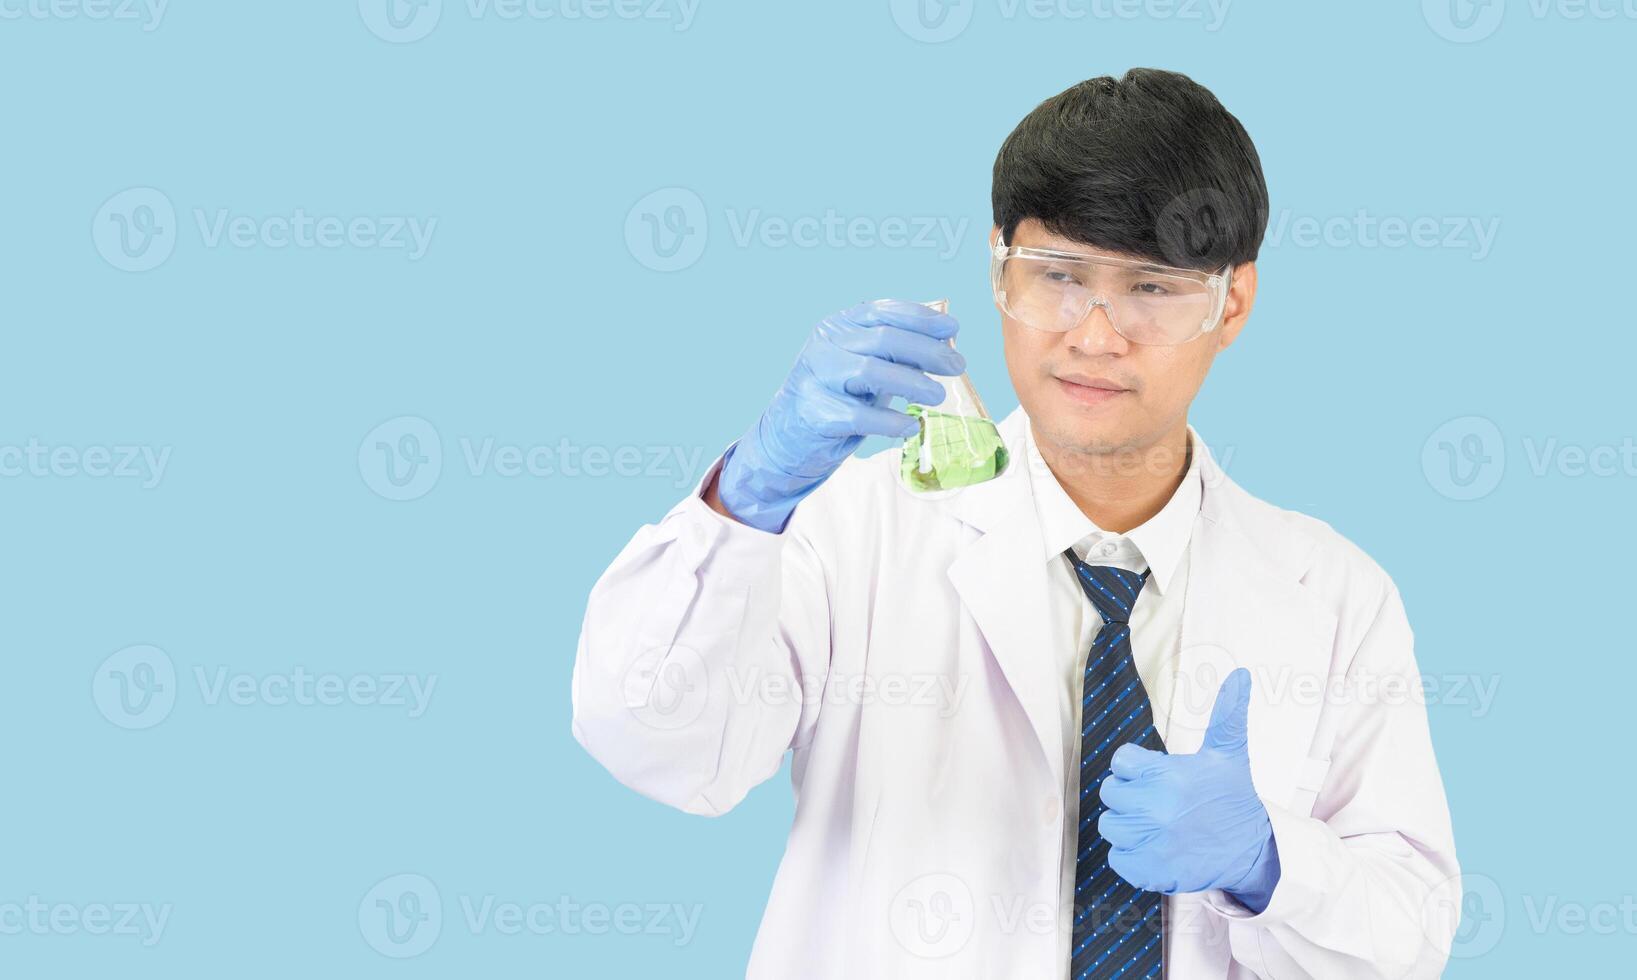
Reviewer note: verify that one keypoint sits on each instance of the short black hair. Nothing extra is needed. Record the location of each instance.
(1150, 164)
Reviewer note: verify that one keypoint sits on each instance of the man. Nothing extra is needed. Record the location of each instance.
(1104, 715)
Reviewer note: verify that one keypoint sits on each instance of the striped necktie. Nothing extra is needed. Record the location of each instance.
(1117, 926)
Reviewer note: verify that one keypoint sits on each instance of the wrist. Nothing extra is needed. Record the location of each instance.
(752, 491)
(1254, 889)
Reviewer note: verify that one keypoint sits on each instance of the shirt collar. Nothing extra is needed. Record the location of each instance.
(1160, 542)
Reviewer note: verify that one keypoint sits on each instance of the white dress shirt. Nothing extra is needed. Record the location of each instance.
(1159, 544)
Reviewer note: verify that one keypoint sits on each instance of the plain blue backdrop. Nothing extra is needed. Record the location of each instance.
(267, 462)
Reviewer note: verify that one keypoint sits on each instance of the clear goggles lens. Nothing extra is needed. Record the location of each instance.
(1146, 304)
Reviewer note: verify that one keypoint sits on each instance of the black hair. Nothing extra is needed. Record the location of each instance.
(1150, 164)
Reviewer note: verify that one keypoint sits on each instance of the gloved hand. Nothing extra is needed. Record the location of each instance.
(1190, 823)
(852, 365)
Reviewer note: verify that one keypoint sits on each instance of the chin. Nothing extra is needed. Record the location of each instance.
(1078, 428)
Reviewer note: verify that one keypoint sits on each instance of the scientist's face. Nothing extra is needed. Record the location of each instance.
(1090, 390)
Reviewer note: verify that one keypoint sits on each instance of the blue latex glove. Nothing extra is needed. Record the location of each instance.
(1191, 823)
(838, 392)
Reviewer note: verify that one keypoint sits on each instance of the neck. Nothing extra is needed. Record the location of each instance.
(1120, 490)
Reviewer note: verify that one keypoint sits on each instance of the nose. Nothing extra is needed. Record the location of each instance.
(1095, 333)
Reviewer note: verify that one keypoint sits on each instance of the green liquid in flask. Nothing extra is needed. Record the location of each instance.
(951, 451)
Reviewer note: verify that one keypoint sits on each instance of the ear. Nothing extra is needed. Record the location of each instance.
(1241, 297)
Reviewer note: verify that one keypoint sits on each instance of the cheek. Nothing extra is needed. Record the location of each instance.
(1028, 349)
(1027, 353)
(1173, 375)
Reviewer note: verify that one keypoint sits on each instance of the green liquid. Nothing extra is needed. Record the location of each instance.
(963, 450)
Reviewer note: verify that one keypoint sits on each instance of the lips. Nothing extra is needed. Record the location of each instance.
(1090, 390)
(1090, 381)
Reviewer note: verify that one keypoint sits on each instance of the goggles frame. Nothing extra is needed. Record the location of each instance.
(1216, 282)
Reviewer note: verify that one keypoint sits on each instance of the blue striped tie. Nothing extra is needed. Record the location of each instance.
(1117, 927)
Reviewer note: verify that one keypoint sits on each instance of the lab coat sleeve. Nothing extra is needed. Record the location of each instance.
(697, 645)
(1368, 885)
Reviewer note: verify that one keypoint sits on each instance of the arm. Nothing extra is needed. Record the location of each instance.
(1364, 887)
(700, 638)
(697, 644)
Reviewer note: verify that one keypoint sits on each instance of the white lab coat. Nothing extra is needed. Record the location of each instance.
(898, 644)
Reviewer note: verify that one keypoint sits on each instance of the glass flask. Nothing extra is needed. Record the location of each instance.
(957, 444)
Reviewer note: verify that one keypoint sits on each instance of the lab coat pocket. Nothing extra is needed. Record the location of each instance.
(1309, 781)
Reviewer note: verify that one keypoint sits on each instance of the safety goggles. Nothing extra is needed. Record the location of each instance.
(1148, 304)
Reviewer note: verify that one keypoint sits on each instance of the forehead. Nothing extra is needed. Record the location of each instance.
(1032, 233)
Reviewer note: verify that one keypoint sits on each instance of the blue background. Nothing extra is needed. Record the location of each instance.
(269, 543)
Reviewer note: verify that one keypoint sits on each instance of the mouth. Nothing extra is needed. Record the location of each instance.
(1090, 390)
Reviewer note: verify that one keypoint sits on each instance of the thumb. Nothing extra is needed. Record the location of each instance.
(1227, 729)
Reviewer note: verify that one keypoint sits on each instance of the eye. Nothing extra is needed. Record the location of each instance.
(1060, 276)
(1151, 288)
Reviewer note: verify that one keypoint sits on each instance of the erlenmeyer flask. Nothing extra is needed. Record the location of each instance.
(957, 444)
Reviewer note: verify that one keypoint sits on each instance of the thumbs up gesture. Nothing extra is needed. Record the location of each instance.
(1191, 823)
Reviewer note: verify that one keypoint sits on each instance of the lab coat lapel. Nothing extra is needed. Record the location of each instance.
(1001, 578)
(1246, 607)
